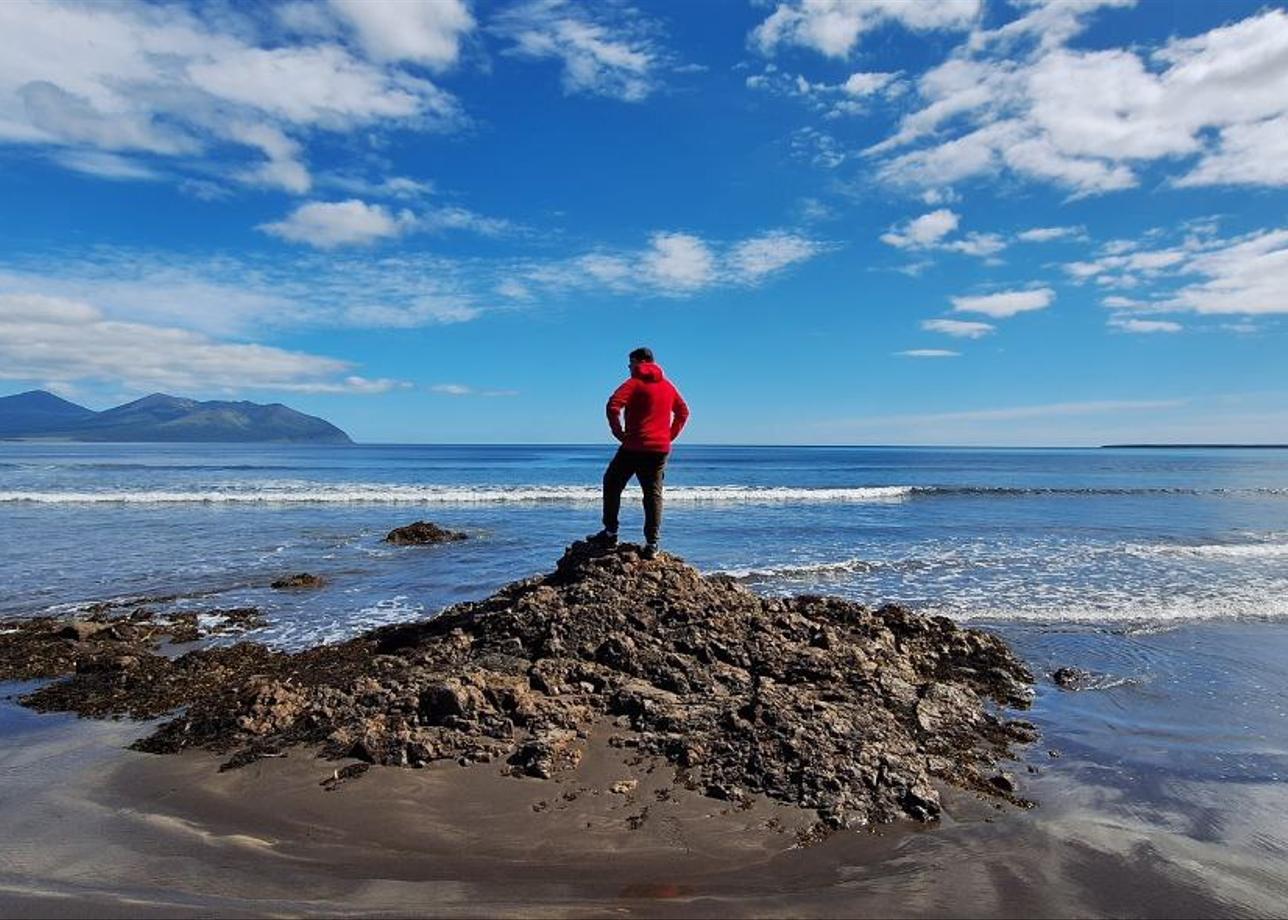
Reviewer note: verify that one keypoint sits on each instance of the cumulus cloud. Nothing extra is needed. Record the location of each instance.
(327, 225)
(604, 52)
(679, 261)
(1006, 303)
(183, 83)
(923, 231)
(928, 353)
(1247, 275)
(51, 338)
(958, 328)
(1019, 99)
(930, 231)
(835, 27)
(427, 32)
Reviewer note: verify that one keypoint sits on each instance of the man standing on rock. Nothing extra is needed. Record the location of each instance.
(655, 415)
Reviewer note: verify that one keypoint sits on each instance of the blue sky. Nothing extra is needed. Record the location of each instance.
(964, 222)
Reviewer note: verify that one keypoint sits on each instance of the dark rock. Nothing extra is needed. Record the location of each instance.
(1005, 782)
(298, 581)
(1070, 678)
(422, 533)
(82, 630)
(818, 702)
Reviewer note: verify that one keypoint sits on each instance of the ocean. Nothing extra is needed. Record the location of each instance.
(1161, 573)
(1127, 538)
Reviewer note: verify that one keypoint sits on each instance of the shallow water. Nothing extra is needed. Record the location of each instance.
(1048, 536)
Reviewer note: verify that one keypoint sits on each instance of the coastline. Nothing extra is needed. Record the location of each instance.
(1166, 800)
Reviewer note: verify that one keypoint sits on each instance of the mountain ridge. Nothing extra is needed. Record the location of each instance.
(159, 417)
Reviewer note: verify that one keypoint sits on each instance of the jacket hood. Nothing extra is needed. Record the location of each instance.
(647, 371)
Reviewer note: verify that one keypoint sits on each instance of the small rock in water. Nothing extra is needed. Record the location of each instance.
(299, 580)
(422, 533)
(1069, 678)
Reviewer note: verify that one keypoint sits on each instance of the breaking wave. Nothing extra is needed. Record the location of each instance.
(392, 494)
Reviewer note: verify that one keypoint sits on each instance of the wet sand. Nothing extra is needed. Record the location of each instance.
(1168, 799)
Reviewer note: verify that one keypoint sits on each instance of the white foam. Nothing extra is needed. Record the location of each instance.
(1214, 550)
(391, 494)
(800, 570)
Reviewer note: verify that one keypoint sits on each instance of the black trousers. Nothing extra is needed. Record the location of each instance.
(649, 467)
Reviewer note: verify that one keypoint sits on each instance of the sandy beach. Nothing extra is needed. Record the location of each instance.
(1164, 800)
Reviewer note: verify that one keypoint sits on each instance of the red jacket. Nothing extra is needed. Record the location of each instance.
(655, 410)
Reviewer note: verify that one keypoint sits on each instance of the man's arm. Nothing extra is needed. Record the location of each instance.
(616, 403)
(680, 410)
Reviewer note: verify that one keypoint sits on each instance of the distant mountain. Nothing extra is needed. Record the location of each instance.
(37, 414)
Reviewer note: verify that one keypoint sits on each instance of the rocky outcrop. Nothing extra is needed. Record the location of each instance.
(422, 533)
(299, 581)
(852, 712)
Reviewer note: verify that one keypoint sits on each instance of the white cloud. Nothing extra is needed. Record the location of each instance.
(865, 83)
(679, 261)
(1006, 303)
(818, 148)
(457, 218)
(834, 100)
(514, 290)
(606, 269)
(1248, 275)
(429, 310)
(1019, 99)
(1121, 303)
(105, 165)
(924, 231)
(928, 353)
(757, 257)
(282, 167)
(326, 225)
(1047, 234)
(930, 231)
(958, 328)
(677, 264)
(183, 83)
(44, 338)
(1246, 154)
(426, 32)
(834, 27)
(976, 244)
(1130, 324)
(460, 389)
(604, 56)
(244, 295)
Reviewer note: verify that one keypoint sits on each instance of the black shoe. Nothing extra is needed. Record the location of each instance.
(649, 551)
(604, 538)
